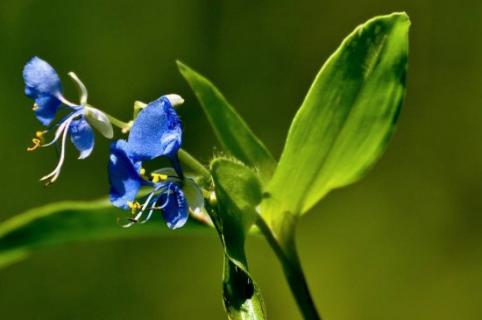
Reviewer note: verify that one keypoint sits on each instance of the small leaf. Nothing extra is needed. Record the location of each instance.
(238, 192)
(346, 119)
(233, 133)
(67, 222)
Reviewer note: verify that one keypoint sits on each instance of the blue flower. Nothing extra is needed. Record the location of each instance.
(157, 131)
(168, 193)
(43, 85)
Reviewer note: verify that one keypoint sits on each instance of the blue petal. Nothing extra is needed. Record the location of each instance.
(46, 109)
(176, 210)
(40, 79)
(157, 131)
(43, 85)
(82, 136)
(125, 180)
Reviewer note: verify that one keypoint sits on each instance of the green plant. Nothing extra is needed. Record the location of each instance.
(341, 129)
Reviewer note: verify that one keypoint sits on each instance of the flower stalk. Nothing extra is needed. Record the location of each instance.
(124, 126)
(196, 166)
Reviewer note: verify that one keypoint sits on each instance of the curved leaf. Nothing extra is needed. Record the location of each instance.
(233, 133)
(347, 117)
(67, 222)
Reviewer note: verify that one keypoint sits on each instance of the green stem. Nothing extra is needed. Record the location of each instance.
(289, 259)
(193, 163)
(118, 123)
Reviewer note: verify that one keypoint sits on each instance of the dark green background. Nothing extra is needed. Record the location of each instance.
(405, 243)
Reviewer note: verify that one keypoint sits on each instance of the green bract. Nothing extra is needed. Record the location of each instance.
(238, 192)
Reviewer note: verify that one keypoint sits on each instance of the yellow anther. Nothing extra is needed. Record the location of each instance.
(134, 206)
(40, 134)
(35, 107)
(36, 144)
(37, 141)
(142, 172)
(157, 177)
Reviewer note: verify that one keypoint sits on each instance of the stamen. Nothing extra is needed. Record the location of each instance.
(130, 222)
(142, 172)
(63, 129)
(138, 209)
(36, 144)
(163, 205)
(63, 126)
(158, 177)
(148, 217)
(134, 206)
(149, 198)
(35, 107)
(37, 140)
(144, 207)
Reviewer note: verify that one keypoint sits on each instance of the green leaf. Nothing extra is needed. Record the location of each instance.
(67, 222)
(233, 133)
(238, 192)
(346, 119)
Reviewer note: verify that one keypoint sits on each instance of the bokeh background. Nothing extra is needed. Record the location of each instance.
(404, 243)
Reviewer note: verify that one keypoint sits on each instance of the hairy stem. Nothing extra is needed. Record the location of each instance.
(288, 257)
(193, 163)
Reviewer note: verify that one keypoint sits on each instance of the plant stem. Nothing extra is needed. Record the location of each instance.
(193, 163)
(118, 123)
(289, 259)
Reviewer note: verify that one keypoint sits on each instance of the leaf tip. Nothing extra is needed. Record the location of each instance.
(400, 17)
(181, 66)
(392, 18)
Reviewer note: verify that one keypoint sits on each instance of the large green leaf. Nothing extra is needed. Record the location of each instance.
(233, 133)
(238, 192)
(346, 119)
(66, 222)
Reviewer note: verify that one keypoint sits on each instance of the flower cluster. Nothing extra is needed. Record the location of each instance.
(155, 132)
(43, 85)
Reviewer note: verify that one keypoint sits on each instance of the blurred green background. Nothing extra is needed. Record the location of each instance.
(405, 243)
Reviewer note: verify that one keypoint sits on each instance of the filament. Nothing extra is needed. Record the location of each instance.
(51, 177)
